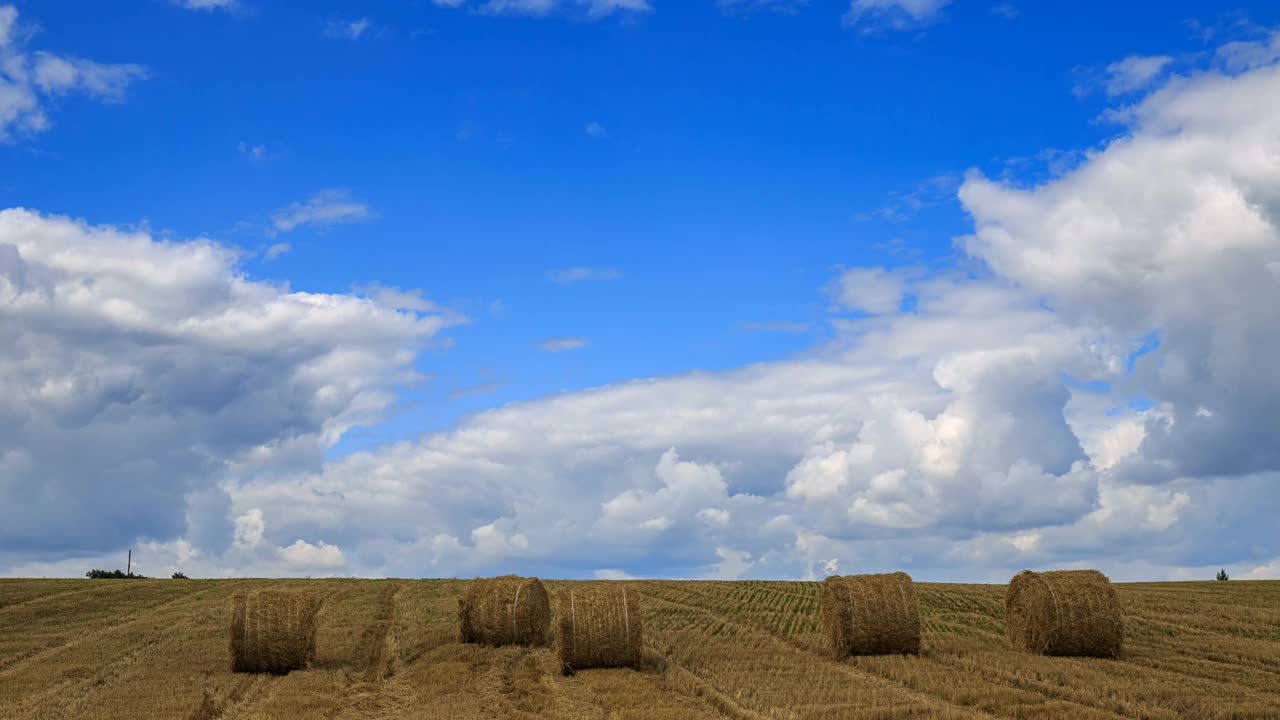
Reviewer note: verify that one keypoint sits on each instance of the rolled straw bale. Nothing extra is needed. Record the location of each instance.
(1064, 612)
(507, 610)
(598, 625)
(273, 630)
(871, 614)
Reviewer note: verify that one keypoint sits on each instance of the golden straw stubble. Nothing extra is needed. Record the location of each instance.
(598, 625)
(1064, 612)
(506, 610)
(871, 614)
(273, 631)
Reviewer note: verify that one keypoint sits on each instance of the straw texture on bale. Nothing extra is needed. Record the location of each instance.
(273, 631)
(871, 614)
(507, 610)
(598, 626)
(1064, 612)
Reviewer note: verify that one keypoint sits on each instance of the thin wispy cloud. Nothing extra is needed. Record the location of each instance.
(596, 130)
(567, 276)
(562, 344)
(1129, 75)
(208, 5)
(257, 153)
(927, 193)
(29, 80)
(348, 29)
(591, 9)
(325, 208)
(871, 16)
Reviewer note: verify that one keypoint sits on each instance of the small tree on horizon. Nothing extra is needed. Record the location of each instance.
(1222, 575)
(96, 574)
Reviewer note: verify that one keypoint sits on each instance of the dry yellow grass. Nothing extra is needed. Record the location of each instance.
(754, 650)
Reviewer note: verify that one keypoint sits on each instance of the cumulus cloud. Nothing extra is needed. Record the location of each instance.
(302, 555)
(327, 207)
(1102, 392)
(27, 80)
(139, 377)
(1170, 231)
(875, 15)
(985, 430)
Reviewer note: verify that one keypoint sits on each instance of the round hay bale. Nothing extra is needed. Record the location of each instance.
(273, 631)
(598, 625)
(1064, 612)
(871, 614)
(507, 610)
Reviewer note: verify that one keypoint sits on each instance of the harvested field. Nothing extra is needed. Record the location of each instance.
(390, 649)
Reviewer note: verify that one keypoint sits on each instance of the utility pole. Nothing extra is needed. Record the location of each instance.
(129, 566)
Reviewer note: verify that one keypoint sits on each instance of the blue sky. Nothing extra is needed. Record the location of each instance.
(590, 193)
(735, 146)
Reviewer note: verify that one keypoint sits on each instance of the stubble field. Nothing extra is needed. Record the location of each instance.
(389, 649)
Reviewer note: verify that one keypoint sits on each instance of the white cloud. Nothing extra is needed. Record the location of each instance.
(207, 5)
(596, 130)
(59, 76)
(562, 344)
(8, 19)
(871, 290)
(276, 250)
(327, 207)
(138, 377)
(28, 79)
(986, 430)
(943, 439)
(302, 555)
(592, 9)
(874, 15)
(250, 528)
(350, 29)
(1134, 73)
(1244, 55)
(567, 276)
(716, 517)
(1268, 571)
(732, 564)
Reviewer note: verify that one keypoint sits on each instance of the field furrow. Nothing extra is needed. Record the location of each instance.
(389, 649)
